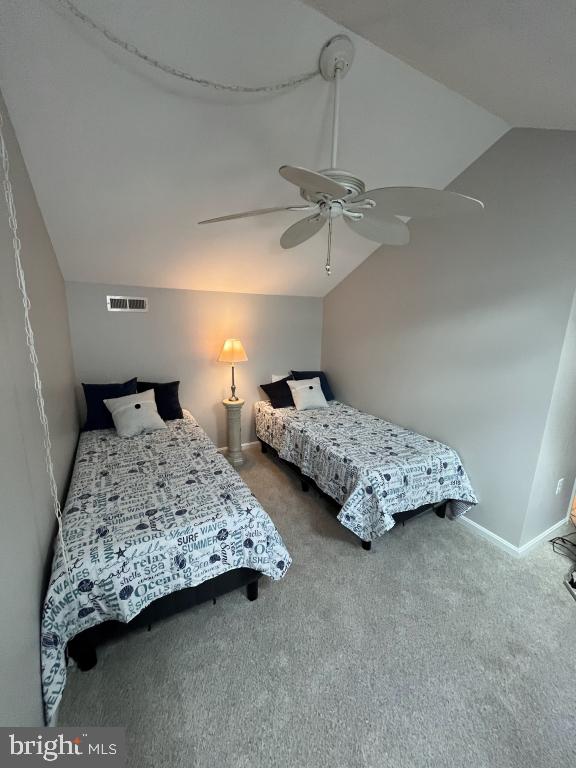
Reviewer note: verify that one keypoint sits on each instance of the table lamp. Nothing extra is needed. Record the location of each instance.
(232, 352)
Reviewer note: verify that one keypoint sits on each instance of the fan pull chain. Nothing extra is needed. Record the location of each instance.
(171, 70)
(328, 266)
(17, 248)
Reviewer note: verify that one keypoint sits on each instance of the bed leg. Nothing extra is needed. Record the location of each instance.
(252, 591)
(440, 511)
(263, 446)
(83, 653)
(367, 545)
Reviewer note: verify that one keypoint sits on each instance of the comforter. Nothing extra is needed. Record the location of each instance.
(373, 468)
(147, 516)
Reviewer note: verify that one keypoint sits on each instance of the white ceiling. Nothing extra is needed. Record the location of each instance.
(517, 58)
(125, 160)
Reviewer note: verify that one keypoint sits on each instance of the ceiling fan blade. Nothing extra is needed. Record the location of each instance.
(312, 181)
(420, 202)
(387, 231)
(258, 212)
(301, 231)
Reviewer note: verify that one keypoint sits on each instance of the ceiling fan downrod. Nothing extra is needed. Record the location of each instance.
(335, 60)
(335, 118)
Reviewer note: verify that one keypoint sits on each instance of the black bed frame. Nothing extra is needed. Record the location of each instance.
(306, 482)
(82, 648)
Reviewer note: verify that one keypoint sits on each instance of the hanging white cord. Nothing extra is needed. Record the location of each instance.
(17, 248)
(169, 69)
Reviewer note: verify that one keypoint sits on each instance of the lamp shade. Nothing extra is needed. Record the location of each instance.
(232, 352)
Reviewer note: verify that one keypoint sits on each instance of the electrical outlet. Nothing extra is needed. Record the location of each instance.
(559, 486)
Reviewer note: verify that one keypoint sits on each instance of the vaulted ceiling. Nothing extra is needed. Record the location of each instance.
(126, 160)
(517, 58)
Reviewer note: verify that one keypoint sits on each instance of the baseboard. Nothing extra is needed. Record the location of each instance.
(244, 445)
(505, 545)
(479, 530)
(537, 539)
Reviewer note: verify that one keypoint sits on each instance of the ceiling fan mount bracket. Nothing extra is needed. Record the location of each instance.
(336, 56)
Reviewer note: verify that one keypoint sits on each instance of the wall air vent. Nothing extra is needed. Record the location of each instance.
(126, 304)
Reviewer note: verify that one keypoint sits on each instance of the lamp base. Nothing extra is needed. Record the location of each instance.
(233, 397)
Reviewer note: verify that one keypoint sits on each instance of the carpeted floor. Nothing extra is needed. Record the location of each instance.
(435, 649)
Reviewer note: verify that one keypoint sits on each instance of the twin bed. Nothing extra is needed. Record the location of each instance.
(147, 520)
(159, 522)
(377, 471)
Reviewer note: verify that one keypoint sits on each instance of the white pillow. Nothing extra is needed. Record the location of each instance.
(135, 414)
(307, 394)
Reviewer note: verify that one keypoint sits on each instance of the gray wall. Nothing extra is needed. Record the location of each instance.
(180, 338)
(26, 519)
(557, 457)
(459, 334)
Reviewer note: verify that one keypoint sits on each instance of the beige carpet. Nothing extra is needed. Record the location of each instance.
(434, 650)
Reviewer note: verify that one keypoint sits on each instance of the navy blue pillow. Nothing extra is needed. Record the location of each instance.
(279, 393)
(299, 375)
(97, 415)
(167, 400)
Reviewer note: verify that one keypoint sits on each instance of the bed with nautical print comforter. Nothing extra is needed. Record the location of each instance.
(145, 517)
(373, 468)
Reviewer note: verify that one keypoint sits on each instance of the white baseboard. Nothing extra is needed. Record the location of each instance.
(537, 539)
(505, 545)
(493, 537)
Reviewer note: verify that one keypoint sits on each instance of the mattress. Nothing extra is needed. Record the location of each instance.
(373, 468)
(145, 517)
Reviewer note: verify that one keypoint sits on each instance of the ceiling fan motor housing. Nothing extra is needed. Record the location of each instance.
(353, 184)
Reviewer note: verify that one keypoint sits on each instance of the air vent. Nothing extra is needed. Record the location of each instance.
(126, 304)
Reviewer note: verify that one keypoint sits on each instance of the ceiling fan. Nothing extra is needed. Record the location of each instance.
(335, 193)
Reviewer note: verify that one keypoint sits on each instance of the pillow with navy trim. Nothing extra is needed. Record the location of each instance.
(166, 395)
(135, 414)
(328, 394)
(279, 393)
(97, 415)
(307, 394)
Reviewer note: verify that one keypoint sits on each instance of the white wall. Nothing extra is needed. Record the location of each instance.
(26, 519)
(180, 338)
(126, 160)
(459, 335)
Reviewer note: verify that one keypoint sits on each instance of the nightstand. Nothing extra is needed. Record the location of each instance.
(234, 431)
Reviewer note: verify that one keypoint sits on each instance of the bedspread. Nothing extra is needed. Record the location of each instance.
(373, 468)
(147, 516)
